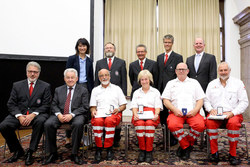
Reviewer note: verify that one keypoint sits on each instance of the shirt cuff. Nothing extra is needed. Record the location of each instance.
(57, 113)
(73, 115)
(17, 115)
(37, 113)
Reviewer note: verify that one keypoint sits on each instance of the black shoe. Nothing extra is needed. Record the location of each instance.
(98, 154)
(51, 158)
(68, 145)
(110, 154)
(215, 157)
(233, 160)
(29, 158)
(16, 155)
(77, 160)
(142, 155)
(117, 138)
(116, 144)
(179, 152)
(149, 157)
(186, 153)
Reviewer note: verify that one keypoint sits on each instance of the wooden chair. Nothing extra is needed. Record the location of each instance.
(243, 127)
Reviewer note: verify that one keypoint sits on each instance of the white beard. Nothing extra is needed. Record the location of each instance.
(109, 54)
(105, 82)
(224, 77)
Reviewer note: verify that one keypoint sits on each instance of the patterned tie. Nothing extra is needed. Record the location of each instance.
(66, 106)
(197, 61)
(166, 59)
(110, 63)
(31, 88)
(141, 65)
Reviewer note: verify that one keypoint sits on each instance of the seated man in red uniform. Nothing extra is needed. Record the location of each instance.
(228, 94)
(183, 96)
(106, 105)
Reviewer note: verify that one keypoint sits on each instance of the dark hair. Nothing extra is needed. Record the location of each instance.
(82, 41)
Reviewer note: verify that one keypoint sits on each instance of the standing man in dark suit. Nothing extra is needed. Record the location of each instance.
(70, 105)
(141, 64)
(118, 74)
(167, 63)
(202, 66)
(28, 104)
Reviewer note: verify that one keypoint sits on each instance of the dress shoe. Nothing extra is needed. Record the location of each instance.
(116, 144)
(173, 141)
(215, 157)
(16, 155)
(233, 160)
(149, 156)
(51, 158)
(186, 153)
(142, 155)
(76, 159)
(110, 154)
(29, 158)
(98, 154)
(179, 152)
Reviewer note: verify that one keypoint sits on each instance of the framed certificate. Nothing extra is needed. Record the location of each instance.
(219, 110)
(140, 111)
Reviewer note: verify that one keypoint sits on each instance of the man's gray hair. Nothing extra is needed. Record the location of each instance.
(70, 70)
(169, 36)
(33, 63)
(222, 63)
(141, 45)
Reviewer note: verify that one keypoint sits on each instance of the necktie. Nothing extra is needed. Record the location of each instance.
(110, 63)
(66, 106)
(141, 65)
(197, 61)
(31, 88)
(166, 59)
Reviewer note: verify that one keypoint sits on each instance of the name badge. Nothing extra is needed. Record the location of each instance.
(184, 111)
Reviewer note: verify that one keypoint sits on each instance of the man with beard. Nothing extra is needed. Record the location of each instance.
(230, 95)
(118, 74)
(28, 104)
(107, 98)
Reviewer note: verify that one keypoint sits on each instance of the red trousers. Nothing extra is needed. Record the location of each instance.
(145, 130)
(175, 125)
(233, 125)
(108, 124)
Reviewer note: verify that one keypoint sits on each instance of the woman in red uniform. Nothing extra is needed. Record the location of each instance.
(146, 99)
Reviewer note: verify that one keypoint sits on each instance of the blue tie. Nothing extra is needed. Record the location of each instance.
(197, 61)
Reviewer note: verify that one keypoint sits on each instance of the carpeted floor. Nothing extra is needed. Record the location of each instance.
(198, 156)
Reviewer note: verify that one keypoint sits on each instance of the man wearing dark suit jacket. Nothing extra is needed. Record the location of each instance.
(70, 105)
(28, 104)
(141, 64)
(118, 74)
(167, 63)
(202, 66)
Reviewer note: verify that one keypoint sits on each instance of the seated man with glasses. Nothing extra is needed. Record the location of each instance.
(28, 104)
(183, 97)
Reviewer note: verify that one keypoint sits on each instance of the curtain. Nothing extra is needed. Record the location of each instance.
(188, 19)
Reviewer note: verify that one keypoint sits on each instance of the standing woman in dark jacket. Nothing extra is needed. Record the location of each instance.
(83, 64)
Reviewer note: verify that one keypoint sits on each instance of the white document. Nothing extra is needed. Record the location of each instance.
(146, 115)
(102, 113)
(185, 102)
(217, 117)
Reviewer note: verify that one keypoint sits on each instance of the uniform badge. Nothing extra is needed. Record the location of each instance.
(38, 101)
(116, 73)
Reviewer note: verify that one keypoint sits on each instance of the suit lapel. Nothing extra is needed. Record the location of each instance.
(192, 63)
(138, 67)
(161, 59)
(169, 60)
(35, 89)
(106, 66)
(77, 64)
(146, 65)
(26, 87)
(201, 62)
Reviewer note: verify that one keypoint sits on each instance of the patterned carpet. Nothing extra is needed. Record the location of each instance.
(198, 156)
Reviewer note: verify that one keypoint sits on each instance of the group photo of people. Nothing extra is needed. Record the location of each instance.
(168, 91)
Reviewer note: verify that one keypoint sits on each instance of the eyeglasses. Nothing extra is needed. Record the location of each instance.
(140, 51)
(35, 72)
(105, 75)
(181, 69)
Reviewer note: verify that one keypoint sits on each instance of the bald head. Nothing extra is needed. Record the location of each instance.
(181, 71)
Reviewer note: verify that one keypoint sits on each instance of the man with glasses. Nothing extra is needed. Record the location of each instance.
(118, 74)
(28, 104)
(183, 97)
(106, 105)
(141, 64)
(167, 63)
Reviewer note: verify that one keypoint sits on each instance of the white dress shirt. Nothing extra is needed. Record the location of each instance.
(232, 97)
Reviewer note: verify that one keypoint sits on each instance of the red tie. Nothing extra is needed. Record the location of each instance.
(31, 88)
(141, 65)
(166, 59)
(110, 63)
(66, 107)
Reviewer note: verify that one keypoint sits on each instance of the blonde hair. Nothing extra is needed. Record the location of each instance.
(145, 73)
